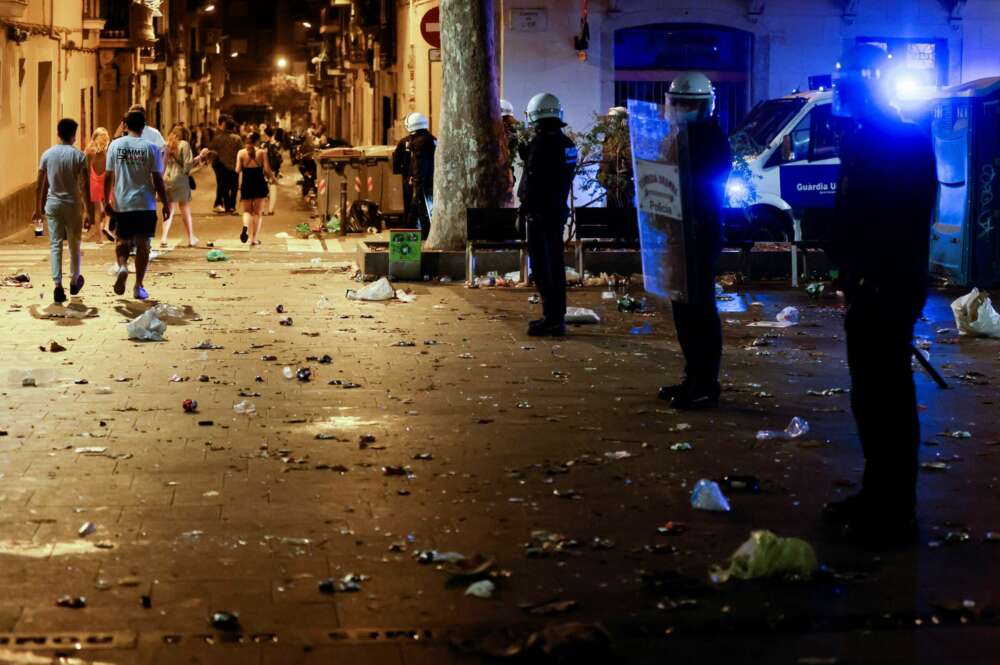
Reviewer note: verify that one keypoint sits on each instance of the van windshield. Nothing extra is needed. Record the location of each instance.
(763, 123)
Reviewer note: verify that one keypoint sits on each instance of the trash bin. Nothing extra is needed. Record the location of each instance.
(367, 170)
(336, 166)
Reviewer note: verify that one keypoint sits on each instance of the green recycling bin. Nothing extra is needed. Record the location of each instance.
(404, 254)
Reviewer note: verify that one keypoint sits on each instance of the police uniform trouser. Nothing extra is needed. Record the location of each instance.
(407, 203)
(419, 214)
(884, 401)
(548, 262)
(699, 329)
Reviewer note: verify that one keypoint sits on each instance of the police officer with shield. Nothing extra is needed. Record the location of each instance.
(881, 239)
(691, 105)
(549, 168)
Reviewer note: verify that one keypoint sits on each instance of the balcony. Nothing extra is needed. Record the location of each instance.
(127, 25)
(14, 9)
(92, 19)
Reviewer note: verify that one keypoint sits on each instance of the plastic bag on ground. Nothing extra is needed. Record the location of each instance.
(707, 495)
(147, 328)
(216, 255)
(572, 276)
(788, 315)
(796, 427)
(766, 555)
(581, 315)
(975, 315)
(376, 291)
(403, 296)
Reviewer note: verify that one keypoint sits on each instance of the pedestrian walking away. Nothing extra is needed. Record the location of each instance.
(62, 192)
(512, 130)
(252, 164)
(274, 160)
(691, 107)
(135, 175)
(549, 169)
(226, 145)
(97, 155)
(151, 134)
(886, 196)
(180, 163)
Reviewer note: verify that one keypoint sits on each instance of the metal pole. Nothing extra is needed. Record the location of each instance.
(343, 204)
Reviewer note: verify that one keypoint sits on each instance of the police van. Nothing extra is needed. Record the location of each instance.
(786, 158)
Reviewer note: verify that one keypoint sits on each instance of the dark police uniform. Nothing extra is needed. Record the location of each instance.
(413, 158)
(881, 240)
(549, 167)
(699, 329)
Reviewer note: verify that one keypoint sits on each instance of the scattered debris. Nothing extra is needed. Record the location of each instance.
(796, 427)
(766, 555)
(707, 495)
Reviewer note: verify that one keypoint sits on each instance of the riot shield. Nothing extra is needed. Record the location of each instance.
(661, 164)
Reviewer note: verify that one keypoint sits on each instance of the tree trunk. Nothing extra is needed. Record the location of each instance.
(470, 166)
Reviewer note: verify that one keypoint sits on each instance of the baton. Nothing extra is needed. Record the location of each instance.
(929, 368)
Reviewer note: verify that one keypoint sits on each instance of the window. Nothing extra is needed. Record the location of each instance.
(926, 58)
(800, 139)
(823, 140)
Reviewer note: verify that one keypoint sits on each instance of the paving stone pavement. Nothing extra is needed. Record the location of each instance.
(500, 435)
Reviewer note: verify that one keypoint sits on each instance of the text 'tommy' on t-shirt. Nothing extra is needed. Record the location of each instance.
(133, 161)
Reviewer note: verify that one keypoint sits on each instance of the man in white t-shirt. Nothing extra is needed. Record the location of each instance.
(135, 174)
(151, 134)
(62, 191)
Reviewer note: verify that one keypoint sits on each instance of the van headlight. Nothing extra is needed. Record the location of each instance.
(737, 192)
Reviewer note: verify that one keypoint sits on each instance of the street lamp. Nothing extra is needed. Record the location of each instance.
(307, 25)
(282, 62)
(208, 9)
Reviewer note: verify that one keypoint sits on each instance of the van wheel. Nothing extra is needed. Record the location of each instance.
(770, 225)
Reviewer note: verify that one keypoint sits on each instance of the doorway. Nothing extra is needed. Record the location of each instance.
(44, 106)
(649, 57)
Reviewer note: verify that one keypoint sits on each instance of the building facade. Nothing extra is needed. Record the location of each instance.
(89, 60)
(752, 49)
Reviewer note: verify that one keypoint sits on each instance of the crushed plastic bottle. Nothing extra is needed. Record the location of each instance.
(707, 495)
(796, 427)
(288, 372)
(245, 408)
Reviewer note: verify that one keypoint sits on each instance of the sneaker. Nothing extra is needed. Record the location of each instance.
(193, 243)
(244, 235)
(548, 330)
(75, 286)
(59, 294)
(120, 281)
(218, 209)
(140, 293)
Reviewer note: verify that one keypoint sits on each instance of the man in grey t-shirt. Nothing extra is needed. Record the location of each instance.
(62, 191)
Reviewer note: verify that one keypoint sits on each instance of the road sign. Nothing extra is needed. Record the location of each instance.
(430, 27)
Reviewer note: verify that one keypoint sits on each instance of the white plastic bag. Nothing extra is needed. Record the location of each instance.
(788, 315)
(581, 315)
(147, 327)
(975, 316)
(379, 290)
(707, 495)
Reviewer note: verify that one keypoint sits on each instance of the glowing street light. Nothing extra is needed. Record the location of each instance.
(208, 9)
(307, 25)
(282, 62)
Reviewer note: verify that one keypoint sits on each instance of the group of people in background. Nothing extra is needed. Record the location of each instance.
(111, 187)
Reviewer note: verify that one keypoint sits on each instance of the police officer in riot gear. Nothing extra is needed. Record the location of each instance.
(881, 237)
(691, 105)
(549, 168)
(512, 130)
(413, 159)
